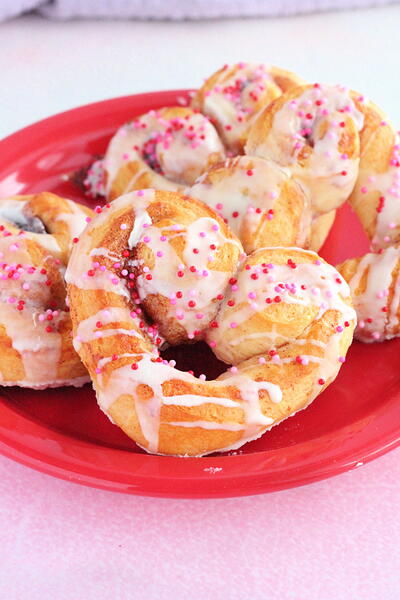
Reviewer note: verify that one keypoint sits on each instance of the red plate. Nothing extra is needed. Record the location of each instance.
(63, 433)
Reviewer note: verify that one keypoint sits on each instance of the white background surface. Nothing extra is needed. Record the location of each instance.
(335, 540)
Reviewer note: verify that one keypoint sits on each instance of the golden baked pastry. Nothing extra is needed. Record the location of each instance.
(376, 195)
(374, 281)
(162, 149)
(313, 131)
(37, 233)
(234, 95)
(261, 203)
(281, 316)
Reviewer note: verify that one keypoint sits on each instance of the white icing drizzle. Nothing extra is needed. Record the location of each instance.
(319, 280)
(175, 146)
(90, 329)
(201, 286)
(105, 253)
(191, 400)
(272, 336)
(154, 374)
(233, 101)
(147, 369)
(48, 241)
(39, 350)
(142, 218)
(243, 195)
(369, 303)
(17, 213)
(387, 184)
(75, 220)
(326, 174)
(315, 284)
(81, 263)
(209, 425)
(12, 210)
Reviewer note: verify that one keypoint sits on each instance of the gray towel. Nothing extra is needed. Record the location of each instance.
(175, 9)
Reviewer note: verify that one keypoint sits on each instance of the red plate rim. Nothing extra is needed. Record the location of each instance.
(76, 459)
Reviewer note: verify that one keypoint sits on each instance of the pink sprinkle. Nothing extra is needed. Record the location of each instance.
(341, 359)
(262, 360)
(123, 226)
(233, 369)
(140, 193)
(233, 325)
(215, 227)
(339, 329)
(146, 239)
(364, 189)
(160, 254)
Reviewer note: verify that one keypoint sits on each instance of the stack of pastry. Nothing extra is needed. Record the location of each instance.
(212, 219)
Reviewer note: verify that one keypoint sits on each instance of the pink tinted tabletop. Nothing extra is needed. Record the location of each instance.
(337, 539)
